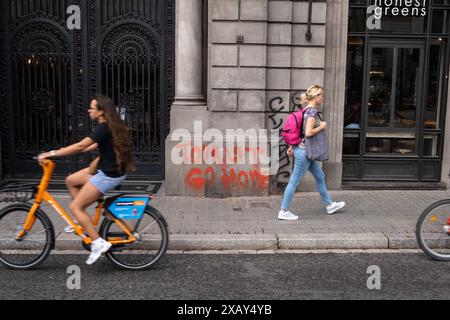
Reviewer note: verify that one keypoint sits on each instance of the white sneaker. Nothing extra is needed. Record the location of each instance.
(286, 215)
(97, 248)
(68, 229)
(335, 206)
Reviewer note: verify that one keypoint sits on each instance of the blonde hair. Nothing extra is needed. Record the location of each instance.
(303, 99)
(312, 92)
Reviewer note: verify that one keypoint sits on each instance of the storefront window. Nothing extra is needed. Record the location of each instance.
(354, 84)
(351, 144)
(391, 145)
(407, 87)
(431, 145)
(435, 87)
(441, 2)
(400, 24)
(357, 20)
(396, 89)
(440, 21)
(380, 87)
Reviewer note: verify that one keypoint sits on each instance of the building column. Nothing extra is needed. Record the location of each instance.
(335, 74)
(190, 104)
(189, 98)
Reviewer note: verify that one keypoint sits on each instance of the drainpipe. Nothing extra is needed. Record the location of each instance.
(308, 34)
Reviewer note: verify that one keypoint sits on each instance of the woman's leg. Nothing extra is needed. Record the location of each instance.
(301, 165)
(85, 197)
(318, 174)
(77, 180)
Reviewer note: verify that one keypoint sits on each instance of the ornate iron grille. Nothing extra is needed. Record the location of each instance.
(41, 82)
(131, 76)
(125, 49)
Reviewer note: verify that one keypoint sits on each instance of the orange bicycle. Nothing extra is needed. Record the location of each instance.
(137, 231)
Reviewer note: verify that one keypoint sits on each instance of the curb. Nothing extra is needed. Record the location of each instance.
(333, 241)
(330, 241)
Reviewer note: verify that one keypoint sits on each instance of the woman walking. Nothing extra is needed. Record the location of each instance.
(311, 126)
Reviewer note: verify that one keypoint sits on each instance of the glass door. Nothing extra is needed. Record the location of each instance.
(393, 96)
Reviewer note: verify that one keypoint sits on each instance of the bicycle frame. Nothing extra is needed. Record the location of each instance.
(42, 194)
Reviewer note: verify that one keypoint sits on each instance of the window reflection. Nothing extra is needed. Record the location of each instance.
(440, 21)
(354, 83)
(407, 87)
(351, 144)
(401, 24)
(435, 87)
(398, 66)
(391, 145)
(431, 146)
(380, 86)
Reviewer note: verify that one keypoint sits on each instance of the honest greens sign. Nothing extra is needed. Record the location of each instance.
(395, 8)
(405, 8)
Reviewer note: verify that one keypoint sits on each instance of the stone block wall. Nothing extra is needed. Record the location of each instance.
(259, 59)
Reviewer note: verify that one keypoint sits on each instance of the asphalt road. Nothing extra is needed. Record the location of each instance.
(227, 276)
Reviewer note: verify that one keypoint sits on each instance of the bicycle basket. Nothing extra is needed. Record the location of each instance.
(14, 191)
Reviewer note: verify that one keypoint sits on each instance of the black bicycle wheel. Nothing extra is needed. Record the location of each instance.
(32, 249)
(433, 231)
(153, 239)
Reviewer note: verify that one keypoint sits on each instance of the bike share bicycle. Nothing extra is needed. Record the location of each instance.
(433, 230)
(137, 231)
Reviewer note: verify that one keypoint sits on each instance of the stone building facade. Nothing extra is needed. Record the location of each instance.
(205, 86)
(260, 56)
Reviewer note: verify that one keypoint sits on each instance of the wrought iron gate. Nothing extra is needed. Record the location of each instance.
(124, 49)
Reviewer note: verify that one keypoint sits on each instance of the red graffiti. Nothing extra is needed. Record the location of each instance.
(197, 179)
(224, 155)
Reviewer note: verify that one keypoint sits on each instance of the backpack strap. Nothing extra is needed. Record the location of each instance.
(296, 121)
(303, 121)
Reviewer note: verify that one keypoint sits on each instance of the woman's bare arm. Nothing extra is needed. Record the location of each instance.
(310, 130)
(92, 147)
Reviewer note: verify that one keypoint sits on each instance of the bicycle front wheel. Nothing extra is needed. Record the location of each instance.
(152, 241)
(33, 248)
(433, 231)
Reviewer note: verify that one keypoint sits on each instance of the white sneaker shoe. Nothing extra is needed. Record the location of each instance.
(335, 206)
(97, 248)
(286, 215)
(68, 229)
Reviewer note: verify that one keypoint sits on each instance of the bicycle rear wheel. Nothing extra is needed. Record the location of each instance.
(433, 231)
(32, 249)
(153, 239)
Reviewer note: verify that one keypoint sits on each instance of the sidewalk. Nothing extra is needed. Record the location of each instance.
(371, 220)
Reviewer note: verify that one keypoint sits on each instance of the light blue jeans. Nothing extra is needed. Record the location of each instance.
(301, 165)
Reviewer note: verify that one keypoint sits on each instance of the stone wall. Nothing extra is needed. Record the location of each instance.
(259, 58)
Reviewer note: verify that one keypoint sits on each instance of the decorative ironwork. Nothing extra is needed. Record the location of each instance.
(42, 103)
(4, 144)
(55, 71)
(131, 74)
(131, 102)
(41, 78)
(170, 60)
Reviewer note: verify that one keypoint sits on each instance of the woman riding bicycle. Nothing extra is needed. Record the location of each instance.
(113, 140)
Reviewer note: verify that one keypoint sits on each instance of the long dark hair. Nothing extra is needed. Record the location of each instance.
(119, 131)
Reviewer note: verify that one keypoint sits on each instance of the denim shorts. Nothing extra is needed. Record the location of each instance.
(104, 183)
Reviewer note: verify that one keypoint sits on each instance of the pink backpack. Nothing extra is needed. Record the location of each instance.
(292, 130)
